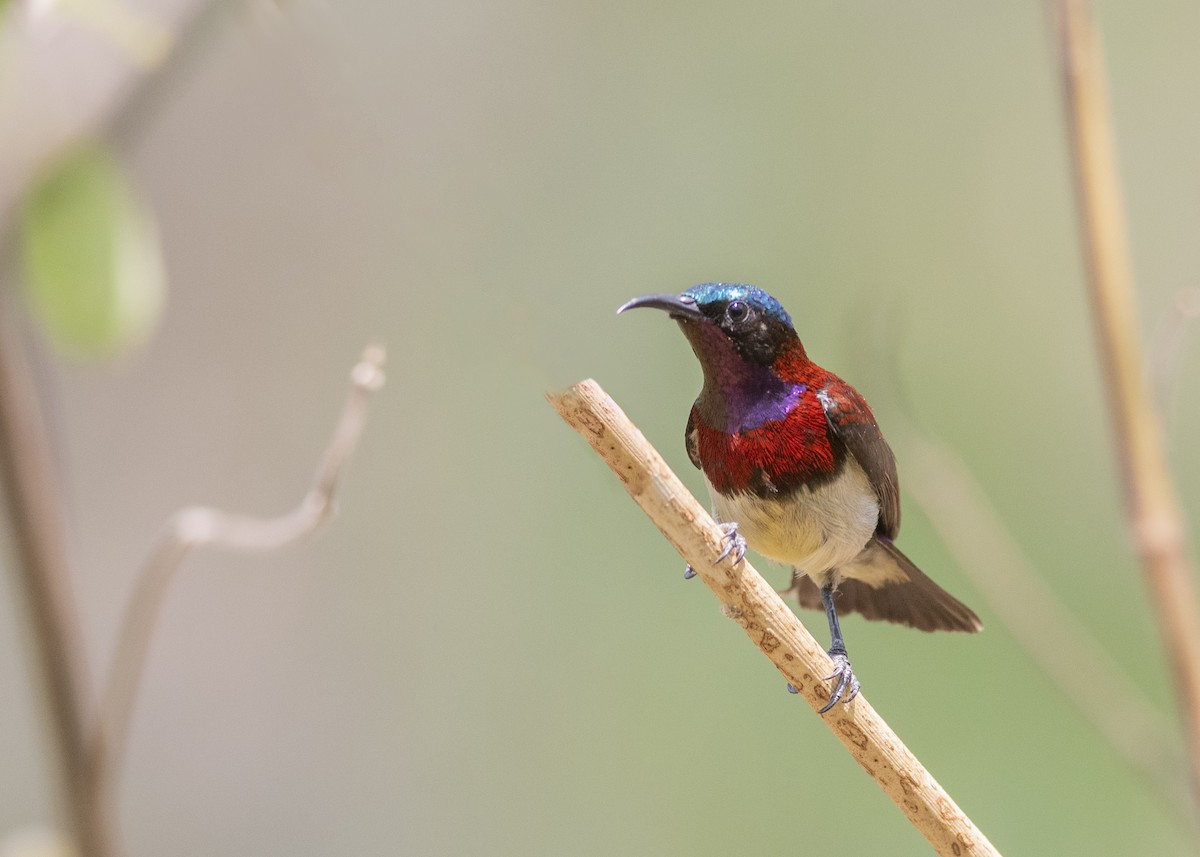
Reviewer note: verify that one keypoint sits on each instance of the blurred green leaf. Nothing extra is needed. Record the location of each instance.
(92, 263)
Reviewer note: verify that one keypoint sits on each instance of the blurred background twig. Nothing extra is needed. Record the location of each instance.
(34, 509)
(1151, 502)
(1052, 636)
(1167, 343)
(200, 526)
(1044, 625)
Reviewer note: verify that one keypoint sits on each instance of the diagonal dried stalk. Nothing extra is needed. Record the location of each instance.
(942, 485)
(748, 599)
(1151, 503)
(199, 526)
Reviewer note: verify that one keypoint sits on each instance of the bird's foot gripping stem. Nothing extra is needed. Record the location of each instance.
(735, 546)
(845, 680)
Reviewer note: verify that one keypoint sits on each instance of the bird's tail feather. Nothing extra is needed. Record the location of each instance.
(883, 584)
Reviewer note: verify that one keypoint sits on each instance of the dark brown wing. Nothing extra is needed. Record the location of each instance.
(690, 440)
(851, 420)
(883, 584)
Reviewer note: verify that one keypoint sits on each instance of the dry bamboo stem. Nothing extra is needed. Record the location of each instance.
(1150, 500)
(748, 599)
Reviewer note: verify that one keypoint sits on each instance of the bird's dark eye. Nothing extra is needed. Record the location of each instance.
(737, 311)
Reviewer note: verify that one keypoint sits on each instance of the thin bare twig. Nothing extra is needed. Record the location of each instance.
(1074, 660)
(199, 526)
(33, 509)
(1169, 338)
(942, 484)
(748, 599)
(1149, 493)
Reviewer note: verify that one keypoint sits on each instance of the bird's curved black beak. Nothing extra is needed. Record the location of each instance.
(679, 307)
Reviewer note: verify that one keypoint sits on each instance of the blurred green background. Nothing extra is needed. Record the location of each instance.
(491, 650)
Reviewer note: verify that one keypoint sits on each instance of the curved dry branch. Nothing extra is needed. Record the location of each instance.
(748, 599)
(198, 526)
(1151, 504)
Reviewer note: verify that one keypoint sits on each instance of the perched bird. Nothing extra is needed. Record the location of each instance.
(798, 469)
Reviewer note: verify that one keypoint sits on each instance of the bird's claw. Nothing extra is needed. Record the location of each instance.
(735, 546)
(846, 681)
(735, 543)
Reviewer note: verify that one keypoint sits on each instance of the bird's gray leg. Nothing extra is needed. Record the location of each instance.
(837, 650)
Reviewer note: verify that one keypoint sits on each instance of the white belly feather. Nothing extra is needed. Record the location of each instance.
(814, 530)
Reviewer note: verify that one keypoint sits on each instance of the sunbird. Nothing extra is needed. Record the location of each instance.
(798, 469)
